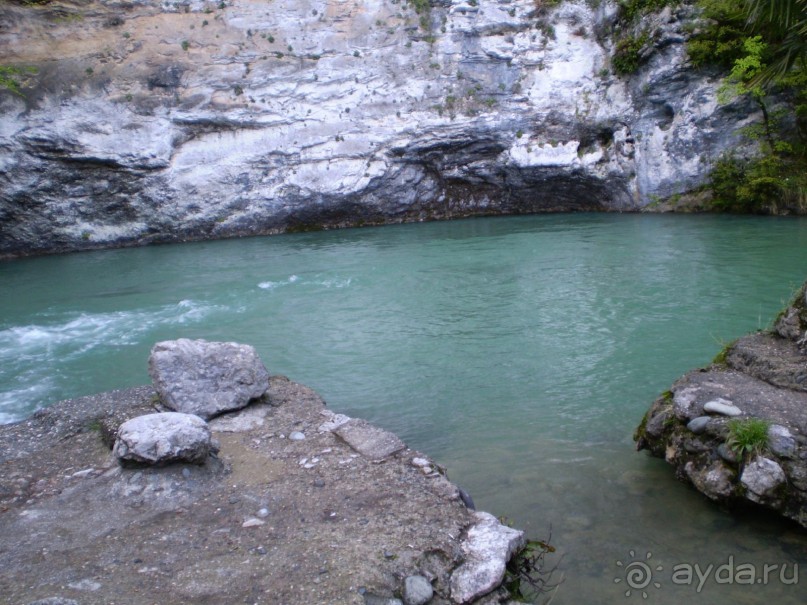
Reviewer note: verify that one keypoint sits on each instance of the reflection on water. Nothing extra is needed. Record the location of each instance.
(519, 352)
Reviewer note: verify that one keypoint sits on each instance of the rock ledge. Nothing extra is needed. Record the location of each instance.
(268, 519)
(761, 376)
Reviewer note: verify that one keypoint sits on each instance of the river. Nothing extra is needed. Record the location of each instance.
(520, 352)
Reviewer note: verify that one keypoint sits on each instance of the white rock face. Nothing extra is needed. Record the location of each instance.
(163, 438)
(161, 122)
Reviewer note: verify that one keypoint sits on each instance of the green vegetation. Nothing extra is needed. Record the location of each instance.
(424, 9)
(526, 575)
(10, 77)
(627, 54)
(185, 45)
(748, 436)
(721, 359)
(630, 43)
(761, 47)
(719, 42)
(632, 10)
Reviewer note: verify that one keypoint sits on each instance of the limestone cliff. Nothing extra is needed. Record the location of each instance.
(154, 121)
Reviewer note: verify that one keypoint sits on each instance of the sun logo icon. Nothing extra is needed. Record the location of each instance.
(638, 574)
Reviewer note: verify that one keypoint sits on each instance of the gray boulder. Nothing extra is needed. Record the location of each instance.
(762, 478)
(781, 441)
(163, 438)
(206, 378)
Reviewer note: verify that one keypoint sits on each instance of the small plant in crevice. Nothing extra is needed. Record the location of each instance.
(721, 359)
(748, 437)
(527, 575)
(628, 53)
(632, 10)
(185, 45)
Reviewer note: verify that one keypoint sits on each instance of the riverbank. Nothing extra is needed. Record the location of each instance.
(287, 512)
(737, 430)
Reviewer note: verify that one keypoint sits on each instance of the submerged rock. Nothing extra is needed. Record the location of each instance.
(206, 378)
(163, 438)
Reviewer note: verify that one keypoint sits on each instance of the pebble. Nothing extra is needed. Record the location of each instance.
(781, 441)
(726, 453)
(319, 483)
(417, 591)
(722, 407)
(85, 584)
(296, 436)
(698, 425)
(264, 512)
(253, 522)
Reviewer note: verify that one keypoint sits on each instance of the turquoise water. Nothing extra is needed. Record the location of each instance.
(519, 352)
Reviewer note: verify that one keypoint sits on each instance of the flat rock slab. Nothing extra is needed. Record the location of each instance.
(753, 396)
(370, 441)
(164, 438)
(775, 360)
(206, 378)
(253, 525)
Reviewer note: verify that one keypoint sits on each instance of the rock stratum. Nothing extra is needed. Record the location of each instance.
(156, 122)
(696, 426)
(280, 501)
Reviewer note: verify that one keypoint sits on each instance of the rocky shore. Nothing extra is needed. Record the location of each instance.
(737, 430)
(288, 502)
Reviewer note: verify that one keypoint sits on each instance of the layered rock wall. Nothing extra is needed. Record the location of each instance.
(153, 121)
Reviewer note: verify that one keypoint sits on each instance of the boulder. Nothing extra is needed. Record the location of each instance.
(206, 378)
(781, 441)
(762, 477)
(162, 438)
(487, 547)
